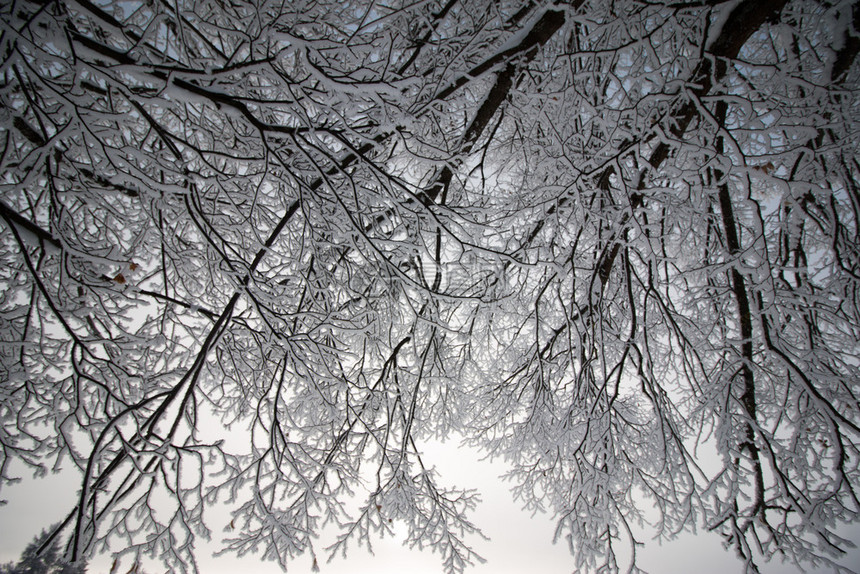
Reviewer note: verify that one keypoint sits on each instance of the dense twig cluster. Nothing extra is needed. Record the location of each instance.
(596, 239)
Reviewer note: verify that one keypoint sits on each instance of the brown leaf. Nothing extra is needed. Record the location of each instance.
(120, 278)
(766, 168)
(132, 266)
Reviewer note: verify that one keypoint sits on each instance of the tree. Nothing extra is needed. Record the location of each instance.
(597, 239)
(38, 558)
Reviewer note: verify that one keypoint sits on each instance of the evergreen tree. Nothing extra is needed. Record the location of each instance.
(48, 560)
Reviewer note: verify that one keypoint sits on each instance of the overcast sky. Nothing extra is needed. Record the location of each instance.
(518, 542)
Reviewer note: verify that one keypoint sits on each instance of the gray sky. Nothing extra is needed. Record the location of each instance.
(518, 542)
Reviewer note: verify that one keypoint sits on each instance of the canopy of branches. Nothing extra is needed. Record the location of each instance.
(616, 244)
